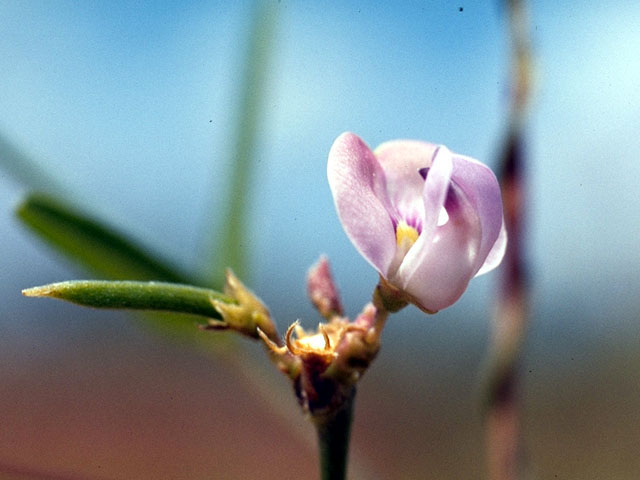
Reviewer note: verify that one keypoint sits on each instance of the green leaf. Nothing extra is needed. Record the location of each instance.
(98, 248)
(158, 296)
(230, 247)
(91, 243)
(23, 169)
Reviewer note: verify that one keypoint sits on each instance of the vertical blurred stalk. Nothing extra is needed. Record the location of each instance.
(230, 248)
(502, 414)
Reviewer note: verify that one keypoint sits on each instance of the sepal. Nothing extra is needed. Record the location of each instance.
(247, 316)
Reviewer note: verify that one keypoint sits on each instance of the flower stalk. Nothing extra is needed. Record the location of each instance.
(325, 365)
(334, 433)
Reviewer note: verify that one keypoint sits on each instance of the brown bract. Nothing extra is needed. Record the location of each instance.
(328, 361)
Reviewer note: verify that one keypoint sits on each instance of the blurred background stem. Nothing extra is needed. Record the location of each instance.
(502, 403)
(229, 246)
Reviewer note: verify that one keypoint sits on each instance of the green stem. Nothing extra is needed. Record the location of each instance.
(333, 440)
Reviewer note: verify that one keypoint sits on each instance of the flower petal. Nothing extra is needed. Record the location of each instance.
(446, 261)
(401, 161)
(358, 185)
(433, 195)
(481, 187)
(496, 253)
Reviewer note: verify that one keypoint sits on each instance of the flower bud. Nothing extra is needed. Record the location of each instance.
(322, 290)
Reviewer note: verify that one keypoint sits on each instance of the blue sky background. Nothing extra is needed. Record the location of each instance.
(131, 107)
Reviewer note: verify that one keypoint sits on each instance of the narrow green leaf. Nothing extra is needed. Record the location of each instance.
(157, 296)
(92, 243)
(99, 249)
(229, 246)
(15, 162)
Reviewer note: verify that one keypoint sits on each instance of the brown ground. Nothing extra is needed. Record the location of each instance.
(120, 405)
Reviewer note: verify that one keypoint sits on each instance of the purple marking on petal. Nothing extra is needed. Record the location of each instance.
(414, 221)
(451, 202)
(423, 172)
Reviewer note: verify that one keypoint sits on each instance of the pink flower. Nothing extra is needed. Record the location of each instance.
(427, 219)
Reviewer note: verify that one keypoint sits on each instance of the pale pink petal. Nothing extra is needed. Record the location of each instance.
(401, 161)
(447, 258)
(481, 187)
(496, 253)
(433, 195)
(358, 186)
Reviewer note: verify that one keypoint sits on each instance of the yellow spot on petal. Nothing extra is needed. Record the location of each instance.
(406, 235)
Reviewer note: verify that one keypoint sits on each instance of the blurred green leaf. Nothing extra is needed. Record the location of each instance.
(91, 243)
(170, 297)
(23, 169)
(231, 245)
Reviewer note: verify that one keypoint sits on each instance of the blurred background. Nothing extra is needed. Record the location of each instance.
(131, 107)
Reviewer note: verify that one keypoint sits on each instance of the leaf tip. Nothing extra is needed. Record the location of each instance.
(43, 291)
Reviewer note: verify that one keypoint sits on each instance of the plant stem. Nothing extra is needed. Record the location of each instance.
(333, 440)
(502, 402)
